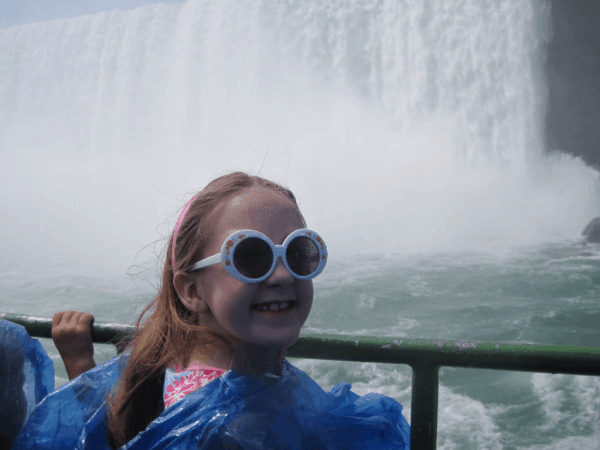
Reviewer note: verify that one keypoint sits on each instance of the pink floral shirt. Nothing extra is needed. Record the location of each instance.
(180, 383)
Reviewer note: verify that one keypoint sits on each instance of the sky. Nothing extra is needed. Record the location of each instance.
(18, 12)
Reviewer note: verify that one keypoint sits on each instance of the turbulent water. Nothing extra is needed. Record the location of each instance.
(541, 294)
(411, 132)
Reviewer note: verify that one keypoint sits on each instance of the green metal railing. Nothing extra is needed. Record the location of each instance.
(425, 356)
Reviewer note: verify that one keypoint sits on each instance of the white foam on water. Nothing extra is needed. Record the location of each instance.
(548, 314)
(400, 330)
(384, 379)
(365, 302)
(418, 285)
(570, 443)
(571, 405)
(550, 391)
(466, 423)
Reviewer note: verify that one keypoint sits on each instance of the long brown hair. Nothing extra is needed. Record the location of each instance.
(170, 332)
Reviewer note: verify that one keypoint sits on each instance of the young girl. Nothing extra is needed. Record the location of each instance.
(207, 368)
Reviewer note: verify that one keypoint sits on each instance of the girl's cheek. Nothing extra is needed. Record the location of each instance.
(306, 290)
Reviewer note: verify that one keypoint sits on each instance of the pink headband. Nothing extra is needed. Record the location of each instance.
(177, 225)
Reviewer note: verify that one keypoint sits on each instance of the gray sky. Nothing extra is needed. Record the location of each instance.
(18, 12)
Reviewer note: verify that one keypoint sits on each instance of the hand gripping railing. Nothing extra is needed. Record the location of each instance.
(425, 356)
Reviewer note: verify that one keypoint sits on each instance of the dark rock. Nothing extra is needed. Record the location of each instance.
(572, 69)
(592, 230)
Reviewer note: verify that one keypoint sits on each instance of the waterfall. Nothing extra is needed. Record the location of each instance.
(400, 125)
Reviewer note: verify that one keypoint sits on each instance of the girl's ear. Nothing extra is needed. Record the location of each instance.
(186, 288)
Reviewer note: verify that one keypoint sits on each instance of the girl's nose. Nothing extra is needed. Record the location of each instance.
(280, 275)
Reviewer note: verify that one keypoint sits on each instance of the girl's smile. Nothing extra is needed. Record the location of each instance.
(275, 307)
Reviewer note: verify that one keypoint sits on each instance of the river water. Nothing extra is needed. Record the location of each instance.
(541, 294)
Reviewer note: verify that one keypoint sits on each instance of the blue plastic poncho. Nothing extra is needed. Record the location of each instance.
(234, 411)
(26, 377)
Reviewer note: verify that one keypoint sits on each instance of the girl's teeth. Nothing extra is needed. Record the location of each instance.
(275, 306)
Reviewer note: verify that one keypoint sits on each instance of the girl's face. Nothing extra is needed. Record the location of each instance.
(230, 302)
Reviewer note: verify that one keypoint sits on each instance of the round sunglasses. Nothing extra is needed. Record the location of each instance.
(250, 256)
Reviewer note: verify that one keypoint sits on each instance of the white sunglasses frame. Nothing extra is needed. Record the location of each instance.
(230, 244)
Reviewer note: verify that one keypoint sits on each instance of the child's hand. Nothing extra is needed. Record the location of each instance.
(72, 335)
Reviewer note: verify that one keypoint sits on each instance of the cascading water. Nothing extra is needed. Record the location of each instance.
(403, 127)
(421, 122)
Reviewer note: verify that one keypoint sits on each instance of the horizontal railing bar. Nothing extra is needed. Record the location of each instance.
(102, 332)
(565, 359)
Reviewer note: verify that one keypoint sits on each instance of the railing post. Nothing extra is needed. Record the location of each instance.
(424, 406)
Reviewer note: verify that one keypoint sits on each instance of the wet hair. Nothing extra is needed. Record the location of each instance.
(170, 332)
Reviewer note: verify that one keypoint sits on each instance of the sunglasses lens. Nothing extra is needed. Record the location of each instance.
(302, 256)
(253, 257)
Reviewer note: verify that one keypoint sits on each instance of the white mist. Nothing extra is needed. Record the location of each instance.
(400, 126)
